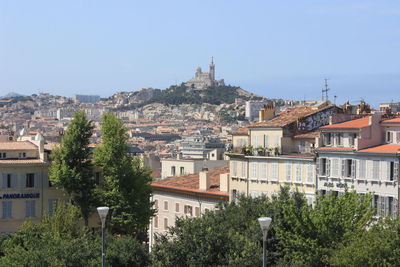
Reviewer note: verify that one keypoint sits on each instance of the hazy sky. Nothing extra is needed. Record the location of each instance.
(280, 49)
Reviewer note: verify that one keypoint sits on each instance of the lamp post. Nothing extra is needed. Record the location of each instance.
(265, 222)
(103, 214)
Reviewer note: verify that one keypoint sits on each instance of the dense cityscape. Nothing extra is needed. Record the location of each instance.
(208, 170)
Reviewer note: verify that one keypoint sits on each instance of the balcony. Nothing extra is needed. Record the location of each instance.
(259, 151)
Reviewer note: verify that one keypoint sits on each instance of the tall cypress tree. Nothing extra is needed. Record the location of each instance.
(126, 184)
(71, 169)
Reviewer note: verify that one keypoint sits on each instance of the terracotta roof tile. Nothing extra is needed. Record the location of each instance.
(386, 149)
(191, 181)
(394, 120)
(353, 124)
(312, 134)
(286, 117)
(20, 145)
(243, 130)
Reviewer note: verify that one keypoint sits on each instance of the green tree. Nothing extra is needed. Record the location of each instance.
(71, 169)
(126, 185)
(377, 246)
(59, 241)
(300, 235)
(56, 241)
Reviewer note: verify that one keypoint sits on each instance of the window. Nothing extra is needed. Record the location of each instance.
(389, 137)
(340, 139)
(7, 209)
(254, 170)
(352, 138)
(310, 173)
(263, 170)
(348, 168)
(362, 169)
(182, 170)
(173, 171)
(197, 211)
(234, 195)
(188, 210)
(176, 207)
(288, 168)
(275, 170)
(276, 141)
(165, 205)
(22, 155)
(328, 139)
(298, 172)
(30, 180)
(394, 171)
(155, 221)
(165, 223)
(256, 141)
(156, 204)
(52, 206)
(8, 180)
(30, 208)
(244, 169)
(375, 169)
(3, 155)
(266, 143)
(234, 168)
(324, 167)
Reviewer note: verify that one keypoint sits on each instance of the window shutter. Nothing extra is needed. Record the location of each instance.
(266, 141)
(328, 167)
(14, 180)
(395, 205)
(396, 171)
(318, 166)
(343, 167)
(386, 206)
(398, 137)
(353, 168)
(38, 180)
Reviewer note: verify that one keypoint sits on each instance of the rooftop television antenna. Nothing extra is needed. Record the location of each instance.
(325, 91)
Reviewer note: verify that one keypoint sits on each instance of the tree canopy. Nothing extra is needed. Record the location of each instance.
(126, 184)
(72, 169)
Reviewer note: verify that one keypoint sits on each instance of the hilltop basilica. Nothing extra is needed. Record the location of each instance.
(202, 80)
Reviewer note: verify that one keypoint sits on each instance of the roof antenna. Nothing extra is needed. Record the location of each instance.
(325, 91)
(334, 101)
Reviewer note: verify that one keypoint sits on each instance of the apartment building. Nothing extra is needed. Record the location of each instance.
(269, 154)
(361, 155)
(26, 193)
(189, 195)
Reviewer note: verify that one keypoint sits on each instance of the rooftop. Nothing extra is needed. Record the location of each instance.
(353, 124)
(385, 149)
(394, 120)
(191, 182)
(20, 145)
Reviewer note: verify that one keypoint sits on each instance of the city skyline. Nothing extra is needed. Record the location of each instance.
(271, 49)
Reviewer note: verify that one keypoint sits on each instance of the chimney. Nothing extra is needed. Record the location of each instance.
(224, 182)
(267, 112)
(204, 179)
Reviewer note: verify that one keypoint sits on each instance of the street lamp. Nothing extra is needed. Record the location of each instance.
(265, 222)
(103, 214)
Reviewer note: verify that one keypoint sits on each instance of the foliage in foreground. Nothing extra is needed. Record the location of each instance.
(59, 241)
(300, 235)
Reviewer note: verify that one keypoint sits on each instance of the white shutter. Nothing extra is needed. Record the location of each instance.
(22, 180)
(343, 161)
(398, 137)
(328, 167)
(396, 171)
(353, 168)
(266, 141)
(38, 180)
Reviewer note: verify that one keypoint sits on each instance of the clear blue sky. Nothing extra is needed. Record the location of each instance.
(280, 49)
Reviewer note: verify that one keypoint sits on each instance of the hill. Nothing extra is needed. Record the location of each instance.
(181, 94)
